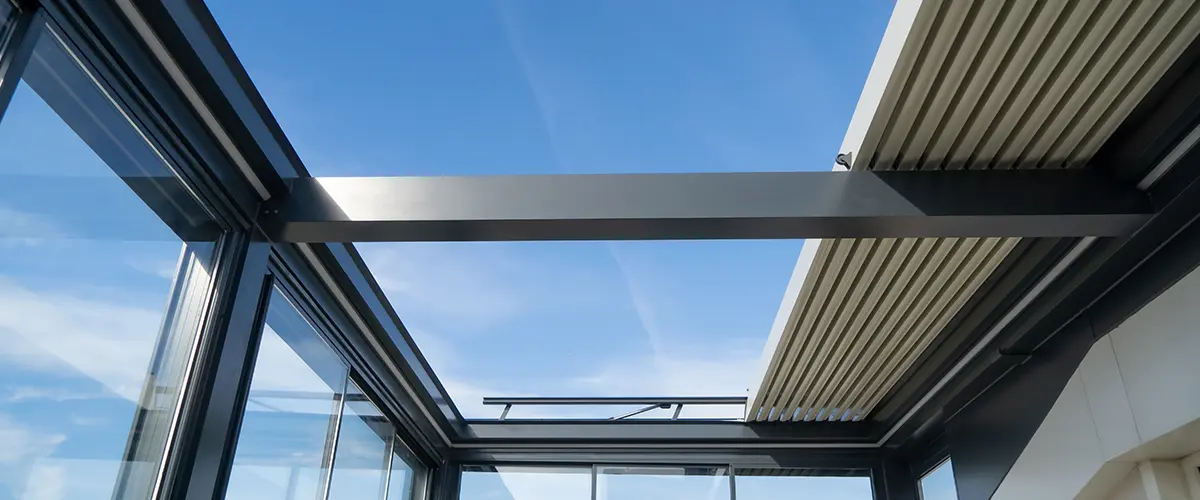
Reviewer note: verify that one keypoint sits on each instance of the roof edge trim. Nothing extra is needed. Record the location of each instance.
(883, 69)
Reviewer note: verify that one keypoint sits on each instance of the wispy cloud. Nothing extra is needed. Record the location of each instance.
(27, 229)
(22, 443)
(447, 289)
(163, 268)
(59, 394)
(49, 331)
(47, 483)
(476, 284)
(472, 284)
(23, 446)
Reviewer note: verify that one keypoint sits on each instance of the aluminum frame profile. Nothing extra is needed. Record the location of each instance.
(706, 206)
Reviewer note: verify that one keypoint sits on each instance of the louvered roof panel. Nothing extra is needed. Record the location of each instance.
(957, 84)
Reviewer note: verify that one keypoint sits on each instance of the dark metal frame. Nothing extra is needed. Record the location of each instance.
(181, 83)
(741, 205)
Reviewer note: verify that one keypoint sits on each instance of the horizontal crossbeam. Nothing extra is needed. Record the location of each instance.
(690, 400)
(664, 433)
(708, 206)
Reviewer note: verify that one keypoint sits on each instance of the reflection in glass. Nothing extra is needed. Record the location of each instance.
(403, 484)
(91, 362)
(291, 414)
(7, 14)
(772, 484)
(526, 483)
(645, 482)
(938, 484)
(360, 463)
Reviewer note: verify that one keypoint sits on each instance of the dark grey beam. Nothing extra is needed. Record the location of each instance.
(707, 206)
(506, 434)
(748, 460)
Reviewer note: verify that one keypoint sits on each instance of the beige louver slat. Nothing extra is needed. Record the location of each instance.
(978, 85)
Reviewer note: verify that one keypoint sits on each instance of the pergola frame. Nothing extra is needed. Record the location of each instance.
(280, 226)
(768, 205)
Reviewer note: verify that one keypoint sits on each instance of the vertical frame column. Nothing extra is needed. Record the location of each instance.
(201, 456)
(444, 482)
(892, 478)
(17, 40)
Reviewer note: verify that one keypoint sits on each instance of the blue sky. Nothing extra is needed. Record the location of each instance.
(469, 88)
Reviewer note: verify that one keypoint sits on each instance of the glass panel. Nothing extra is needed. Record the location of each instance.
(525, 483)
(775, 484)
(403, 482)
(91, 362)
(938, 484)
(647, 482)
(291, 414)
(360, 463)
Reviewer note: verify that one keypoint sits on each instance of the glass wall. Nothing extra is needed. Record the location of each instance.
(773, 484)
(308, 430)
(292, 412)
(101, 301)
(938, 484)
(360, 470)
(638, 482)
(107, 262)
(526, 483)
(404, 482)
(643, 482)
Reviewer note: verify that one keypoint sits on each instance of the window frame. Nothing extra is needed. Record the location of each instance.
(245, 267)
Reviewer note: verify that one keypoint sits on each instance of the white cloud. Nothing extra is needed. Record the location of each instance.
(27, 229)
(163, 268)
(23, 444)
(278, 368)
(23, 447)
(471, 283)
(722, 371)
(26, 393)
(88, 421)
(491, 285)
(46, 483)
(109, 342)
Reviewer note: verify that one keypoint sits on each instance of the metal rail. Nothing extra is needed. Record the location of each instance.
(651, 403)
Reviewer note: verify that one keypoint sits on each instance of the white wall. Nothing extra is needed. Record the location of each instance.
(1135, 397)
(1130, 488)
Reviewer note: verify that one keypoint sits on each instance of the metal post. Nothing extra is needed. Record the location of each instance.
(200, 458)
(892, 479)
(595, 481)
(445, 482)
(331, 440)
(732, 484)
(387, 466)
